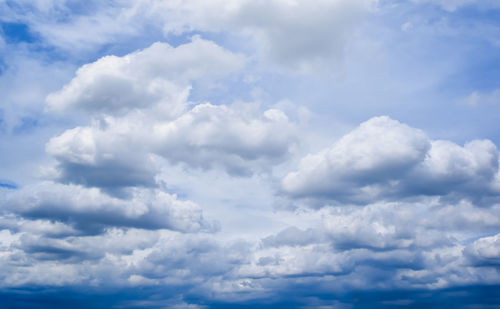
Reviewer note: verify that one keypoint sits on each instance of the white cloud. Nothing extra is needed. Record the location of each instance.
(140, 100)
(384, 159)
(239, 139)
(99, 157)
(156, 76)
(229, 136)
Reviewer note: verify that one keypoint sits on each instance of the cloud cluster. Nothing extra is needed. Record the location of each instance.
(384, 208)
(386, 245)
(141, 101)
(102, 217)
(384, 159)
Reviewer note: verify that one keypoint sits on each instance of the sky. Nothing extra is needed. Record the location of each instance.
(249, 154)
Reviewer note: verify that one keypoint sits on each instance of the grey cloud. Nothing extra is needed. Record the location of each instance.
(293, 236)
(55, 249)
(192, 259)
(78, 248)
(100, 156)
(52, 229)
(91, 211)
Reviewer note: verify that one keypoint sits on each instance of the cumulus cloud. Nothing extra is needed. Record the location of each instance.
(229, 136)
(385, 159)
(99, 157)
(237, 139)
(157, 75)
(399, 245)
(121, 257)
(90, 211)
(141, 100)
(383, 245)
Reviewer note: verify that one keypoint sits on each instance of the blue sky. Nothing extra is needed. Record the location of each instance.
(249, 154)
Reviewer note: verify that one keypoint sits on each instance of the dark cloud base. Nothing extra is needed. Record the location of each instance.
(479, 296)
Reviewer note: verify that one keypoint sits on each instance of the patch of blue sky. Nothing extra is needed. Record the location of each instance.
(2, 121)
(17, 32)
(58, 13)
(26, 125)
(7, 185)
(3, 65)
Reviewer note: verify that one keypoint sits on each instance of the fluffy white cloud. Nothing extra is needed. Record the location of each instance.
(449, 168)
(238, 139)
(140, 101)
(384, 159)
(158, 75)
(99, 156)
(229, 136)
(91, 211)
